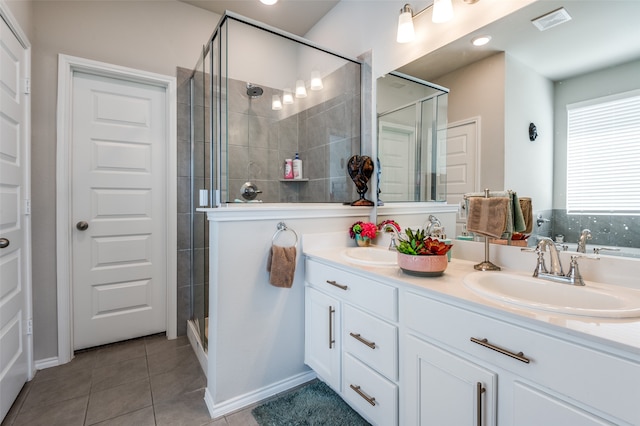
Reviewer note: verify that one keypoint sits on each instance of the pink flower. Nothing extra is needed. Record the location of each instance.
(369, 230)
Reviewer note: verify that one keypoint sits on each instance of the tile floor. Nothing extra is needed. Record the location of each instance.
(146, 381)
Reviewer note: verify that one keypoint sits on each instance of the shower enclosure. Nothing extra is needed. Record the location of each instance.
(258, 97)
(412, 133)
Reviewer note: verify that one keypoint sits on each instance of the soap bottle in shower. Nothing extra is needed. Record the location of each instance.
(297, 167)
(288, 169)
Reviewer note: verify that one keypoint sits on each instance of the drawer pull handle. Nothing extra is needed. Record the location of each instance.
(366, 397)
(332, 312)
(340, 286)
(484, 342)
(479, 391)
(361, 339)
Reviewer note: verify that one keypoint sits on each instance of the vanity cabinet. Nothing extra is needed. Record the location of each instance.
(540, 379)
(351, 339)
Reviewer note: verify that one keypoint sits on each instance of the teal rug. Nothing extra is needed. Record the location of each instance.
(314, 404)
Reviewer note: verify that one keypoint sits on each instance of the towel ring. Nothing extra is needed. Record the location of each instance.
(283, 227)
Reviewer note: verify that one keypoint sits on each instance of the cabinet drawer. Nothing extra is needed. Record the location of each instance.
(373, 396)
(355, 289)
(597, 379)
(373, 341)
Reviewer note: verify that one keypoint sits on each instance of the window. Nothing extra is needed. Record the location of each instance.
(603, 155)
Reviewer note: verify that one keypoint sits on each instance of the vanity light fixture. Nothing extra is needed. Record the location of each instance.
(269, 2)
(316, 81)
(481, 40)
(287, 97)
(301, 91)
(276, 104)
(442, 12)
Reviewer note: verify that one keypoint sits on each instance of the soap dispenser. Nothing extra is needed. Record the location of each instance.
(297, 167)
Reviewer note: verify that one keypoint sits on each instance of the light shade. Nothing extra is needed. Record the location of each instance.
(301, 91)
(316, 81)
(406, 32)
(276, 105)
(481, 40)
(269, 2)
(442, 11)
(287, 97)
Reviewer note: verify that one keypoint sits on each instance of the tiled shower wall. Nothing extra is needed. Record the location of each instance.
(323, 128)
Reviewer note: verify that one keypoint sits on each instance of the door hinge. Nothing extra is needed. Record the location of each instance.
(27, 86)
(29, 327)
(26, 206)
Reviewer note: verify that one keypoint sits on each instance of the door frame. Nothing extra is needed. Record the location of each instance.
(14, 26)
(67, 65)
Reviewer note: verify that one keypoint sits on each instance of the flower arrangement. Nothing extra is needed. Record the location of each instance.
(418, 244)
(364, 229)
(391, 222)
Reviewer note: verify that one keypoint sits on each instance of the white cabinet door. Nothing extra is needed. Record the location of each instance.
(322, 342)
(441, 388)
(533, 407)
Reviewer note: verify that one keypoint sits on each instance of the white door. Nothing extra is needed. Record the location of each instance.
(14, 244)
(119, 209)
(461, 164)
(396, 152)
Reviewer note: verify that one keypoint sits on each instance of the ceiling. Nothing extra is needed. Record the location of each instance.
(601, 33)
(294, 16)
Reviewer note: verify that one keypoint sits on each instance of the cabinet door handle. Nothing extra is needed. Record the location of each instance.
(479, 391)
(361, 339)
(519, 356)
(332, 312)
(369, 399)
(340, 286)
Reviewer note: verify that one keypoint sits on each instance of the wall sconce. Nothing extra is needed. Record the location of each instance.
(301, 91)
(287, 97)
(442, 12)
(276, 105)
(316, 81)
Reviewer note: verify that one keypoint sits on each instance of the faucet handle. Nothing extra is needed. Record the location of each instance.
(574, 272)
(597, 250)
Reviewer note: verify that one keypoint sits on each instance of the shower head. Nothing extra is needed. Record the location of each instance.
(254, 91)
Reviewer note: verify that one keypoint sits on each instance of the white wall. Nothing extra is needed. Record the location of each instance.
(154, 36)
(528, 166)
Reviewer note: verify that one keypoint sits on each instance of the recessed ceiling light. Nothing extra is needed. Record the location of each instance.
(481, 40)
(268, 2)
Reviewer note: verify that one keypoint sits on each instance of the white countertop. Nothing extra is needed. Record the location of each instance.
(609, 333)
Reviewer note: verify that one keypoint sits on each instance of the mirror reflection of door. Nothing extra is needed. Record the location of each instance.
(398, 143)
(461, 164)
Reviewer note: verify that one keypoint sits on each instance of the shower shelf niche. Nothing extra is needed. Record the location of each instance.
(295, 180)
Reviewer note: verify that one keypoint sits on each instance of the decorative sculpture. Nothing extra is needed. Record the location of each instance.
(360, 170)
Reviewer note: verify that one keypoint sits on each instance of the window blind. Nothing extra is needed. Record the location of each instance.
(603, 155)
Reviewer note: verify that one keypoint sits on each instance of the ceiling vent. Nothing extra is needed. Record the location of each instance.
(551, 19)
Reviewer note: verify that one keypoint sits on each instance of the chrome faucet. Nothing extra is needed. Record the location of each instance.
(582, 241)
(572, 277)
(393, 245)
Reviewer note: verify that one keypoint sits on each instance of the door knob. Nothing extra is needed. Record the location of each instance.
(82, 225)
(4, 243)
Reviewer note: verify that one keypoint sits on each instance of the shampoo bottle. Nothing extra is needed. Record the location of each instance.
(297, 167)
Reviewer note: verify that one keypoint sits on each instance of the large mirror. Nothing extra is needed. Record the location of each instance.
(526, 76)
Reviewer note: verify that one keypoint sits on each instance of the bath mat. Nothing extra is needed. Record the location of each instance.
(314, 404)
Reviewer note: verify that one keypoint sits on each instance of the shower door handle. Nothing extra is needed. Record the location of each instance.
(4, 242)
(82, 225)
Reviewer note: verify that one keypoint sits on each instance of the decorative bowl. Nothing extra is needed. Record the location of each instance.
(423, 265)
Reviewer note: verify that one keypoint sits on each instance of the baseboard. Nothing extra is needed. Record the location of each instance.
(196, 344)
(41, 364)
(243, 401)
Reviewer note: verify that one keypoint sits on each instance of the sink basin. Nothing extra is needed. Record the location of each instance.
(593, 299)
(372, 256)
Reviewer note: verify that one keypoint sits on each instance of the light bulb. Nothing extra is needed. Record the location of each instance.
(406, 33)
(276, 105)
(316, 81)
(301, 91)
(442, 11)
(287, 97)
